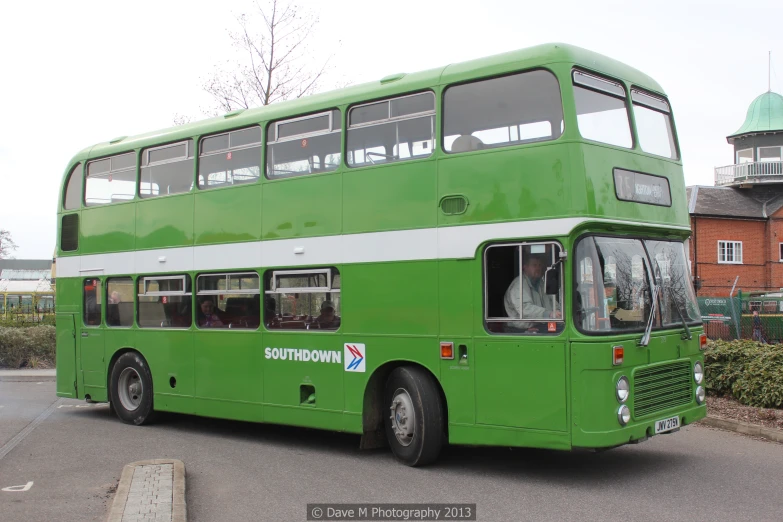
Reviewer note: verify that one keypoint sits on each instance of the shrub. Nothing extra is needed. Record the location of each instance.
(749, 371)
(25, 346)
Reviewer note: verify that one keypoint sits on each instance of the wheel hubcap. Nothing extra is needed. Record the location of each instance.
(403, 417)
(130, 389)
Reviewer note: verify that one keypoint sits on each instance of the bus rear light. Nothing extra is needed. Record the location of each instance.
(617, 355)
(446, 350)
(703, 342)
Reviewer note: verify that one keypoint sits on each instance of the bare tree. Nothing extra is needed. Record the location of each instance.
(276, 59)
(7, 244)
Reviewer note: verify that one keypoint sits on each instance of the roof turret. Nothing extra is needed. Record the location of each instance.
(765, 114)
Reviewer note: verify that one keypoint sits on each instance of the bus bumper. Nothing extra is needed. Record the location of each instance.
(635, 431)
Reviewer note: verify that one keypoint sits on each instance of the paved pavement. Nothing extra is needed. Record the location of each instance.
(27, 375)
(241, 471)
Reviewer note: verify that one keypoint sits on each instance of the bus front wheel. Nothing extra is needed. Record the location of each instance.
(414, 420)
(131, 389)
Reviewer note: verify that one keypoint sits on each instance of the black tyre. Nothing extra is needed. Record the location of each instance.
(131, 389)
(415, 418)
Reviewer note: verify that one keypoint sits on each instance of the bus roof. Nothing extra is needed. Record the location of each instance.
(540, 55)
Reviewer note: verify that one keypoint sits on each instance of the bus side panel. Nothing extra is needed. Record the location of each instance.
(522, 183)
(391, 197)
(165, 221)
(457, 283)
(216, 215)
(66, 355)
(169, 354)
(391, 308)
(302, 207)
(108, 228)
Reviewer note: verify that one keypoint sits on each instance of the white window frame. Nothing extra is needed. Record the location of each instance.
(734, 260)
(780, 152)
(737, 159)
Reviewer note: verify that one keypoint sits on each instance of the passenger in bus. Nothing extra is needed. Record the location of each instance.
(467, 143)
(208, 317)
(536, 304)
(327, 319)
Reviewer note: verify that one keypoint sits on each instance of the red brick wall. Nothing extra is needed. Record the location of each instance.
(718, 278)
(774, 239)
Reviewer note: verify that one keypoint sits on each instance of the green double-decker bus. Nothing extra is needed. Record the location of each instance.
(487, 253)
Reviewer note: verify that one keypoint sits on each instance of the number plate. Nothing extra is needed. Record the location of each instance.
(667, 424)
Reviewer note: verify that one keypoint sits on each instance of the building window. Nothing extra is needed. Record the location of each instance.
(730, 252)
(780, 248)
(770, 153)
(744, 156)
(302, 299)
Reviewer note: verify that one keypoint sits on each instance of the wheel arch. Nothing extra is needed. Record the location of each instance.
(373, 435)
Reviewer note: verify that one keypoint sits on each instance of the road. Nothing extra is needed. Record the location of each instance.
(240, 471)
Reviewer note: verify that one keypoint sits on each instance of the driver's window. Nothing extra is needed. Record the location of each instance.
(524, 292)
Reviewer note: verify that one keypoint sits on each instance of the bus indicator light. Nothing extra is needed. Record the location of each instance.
(703, 342)
(617, 358)
(446, 350)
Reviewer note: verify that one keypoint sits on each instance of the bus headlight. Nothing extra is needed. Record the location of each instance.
(622, 389)
(623, 415)
(699, 395)
(698, 372)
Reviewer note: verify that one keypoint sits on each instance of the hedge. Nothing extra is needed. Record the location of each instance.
(749, 371)
(27, 347)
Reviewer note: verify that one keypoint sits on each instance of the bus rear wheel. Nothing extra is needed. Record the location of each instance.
(414, 423)
(131, 389)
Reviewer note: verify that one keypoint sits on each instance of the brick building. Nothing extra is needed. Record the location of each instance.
(737, 225)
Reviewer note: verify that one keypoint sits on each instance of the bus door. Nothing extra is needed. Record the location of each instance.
(91, 340)
(521, 362)
(66, 355)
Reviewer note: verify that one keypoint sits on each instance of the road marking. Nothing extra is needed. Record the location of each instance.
(11, 444)
(24, 487)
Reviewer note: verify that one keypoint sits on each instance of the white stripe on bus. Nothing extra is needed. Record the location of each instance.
(458, 242)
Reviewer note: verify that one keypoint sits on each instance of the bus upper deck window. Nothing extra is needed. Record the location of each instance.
(653, 124)
(396, 129)
(601, 110)
(498, 112)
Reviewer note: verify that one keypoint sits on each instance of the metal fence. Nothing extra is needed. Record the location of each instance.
(733, 318)
(27, 315)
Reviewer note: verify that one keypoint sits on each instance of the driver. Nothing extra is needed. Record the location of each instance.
(536, 304)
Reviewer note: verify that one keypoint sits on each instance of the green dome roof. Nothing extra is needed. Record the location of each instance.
(764, 114)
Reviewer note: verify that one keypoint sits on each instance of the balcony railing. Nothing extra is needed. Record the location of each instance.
(758, 172)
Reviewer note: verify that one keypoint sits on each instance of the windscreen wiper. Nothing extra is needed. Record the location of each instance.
(645, 340)
(687, 335)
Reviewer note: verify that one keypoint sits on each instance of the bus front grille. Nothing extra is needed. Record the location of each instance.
(661, 387)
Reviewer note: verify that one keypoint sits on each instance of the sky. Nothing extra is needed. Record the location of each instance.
(77, 73)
